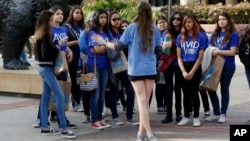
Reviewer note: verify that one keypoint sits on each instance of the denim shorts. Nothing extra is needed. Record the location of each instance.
(135, 78)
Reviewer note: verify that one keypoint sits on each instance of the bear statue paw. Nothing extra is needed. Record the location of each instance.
(16, 65)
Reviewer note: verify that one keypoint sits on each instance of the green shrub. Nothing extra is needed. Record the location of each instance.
(126, 9)
(206, 14)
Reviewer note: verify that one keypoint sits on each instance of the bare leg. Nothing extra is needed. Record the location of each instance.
(143, 90)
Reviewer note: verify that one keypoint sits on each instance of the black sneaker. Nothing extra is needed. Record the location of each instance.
(53, 119)
(72, 126)
(178, 119)
(165, 109)
(49, 132)
(160, 110)
(73, 103)
(248, 122)
(167, 120)
(68, 134)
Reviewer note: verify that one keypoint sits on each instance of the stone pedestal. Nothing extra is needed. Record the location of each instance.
(20, 81)
(231, 2)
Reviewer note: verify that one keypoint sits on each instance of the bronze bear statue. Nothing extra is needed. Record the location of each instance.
(18, 19)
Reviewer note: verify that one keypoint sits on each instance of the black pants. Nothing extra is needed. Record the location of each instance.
(190, 91)
(172, 71)
(75, 89)
(160, 95)
(204, 98)
(86, 102)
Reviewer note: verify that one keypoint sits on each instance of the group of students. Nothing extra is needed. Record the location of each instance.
(50, 34)
(142, 42)
(189, 40)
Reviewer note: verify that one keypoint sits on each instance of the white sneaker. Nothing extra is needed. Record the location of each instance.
(78, 108)
(222, 118)
(196, 122)
(86, 119)
(107, 111)
(184, 121)
(212, 118)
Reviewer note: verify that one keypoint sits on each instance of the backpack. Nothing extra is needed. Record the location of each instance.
(244, 54)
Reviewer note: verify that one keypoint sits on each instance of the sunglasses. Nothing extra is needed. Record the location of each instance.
(116, 19)
(178, 19)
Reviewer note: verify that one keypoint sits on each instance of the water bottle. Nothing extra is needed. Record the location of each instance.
(167, 39)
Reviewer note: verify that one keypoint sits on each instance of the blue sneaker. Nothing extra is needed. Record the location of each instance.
(132, 122)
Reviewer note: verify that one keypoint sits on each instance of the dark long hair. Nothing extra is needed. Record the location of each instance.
(43, 25)
(70, 18)
(228, 30)
(144, 23)
(110, 24)
(171, 27)
(95, 22)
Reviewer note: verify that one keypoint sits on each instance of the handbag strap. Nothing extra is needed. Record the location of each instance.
(83, 63)
(95, 64)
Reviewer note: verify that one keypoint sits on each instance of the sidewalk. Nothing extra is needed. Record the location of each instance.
(17, 114)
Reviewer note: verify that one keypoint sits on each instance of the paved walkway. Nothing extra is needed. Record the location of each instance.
(17, 114)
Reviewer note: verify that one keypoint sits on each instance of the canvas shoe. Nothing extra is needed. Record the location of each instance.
(97, 125)
(184, 121)
(49, 132)
(222, 118)
(212, 118)
(68, 134)
(104, 124)
(132, 122)
(196, 122)
(160, 110)
(248, 122)
(72, 126)
(117, 121)
(152, 138)
(206, 114)
(86, 119)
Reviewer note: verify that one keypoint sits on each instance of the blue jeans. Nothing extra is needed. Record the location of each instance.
(50, 84)
(97, 96)
(23, 56)
(247, 71)
(225, 80)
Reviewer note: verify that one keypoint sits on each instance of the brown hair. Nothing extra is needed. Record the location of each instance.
(144, 23)
(184, 32)
(43, 25)
(228, 29)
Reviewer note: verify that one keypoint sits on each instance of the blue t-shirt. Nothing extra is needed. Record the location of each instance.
(206, 40)
(190, 48)
(101, 59)
(140, 64)
(233, 41)
(58, 33)
(83, 41)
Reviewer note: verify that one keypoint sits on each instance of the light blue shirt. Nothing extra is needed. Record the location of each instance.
(140, 64)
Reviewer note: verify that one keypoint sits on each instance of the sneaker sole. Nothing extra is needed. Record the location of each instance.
(135, 124)
(50, 134)
(68, 137)
(98, 128)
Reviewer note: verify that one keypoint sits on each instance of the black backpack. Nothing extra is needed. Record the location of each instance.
(244, 53)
